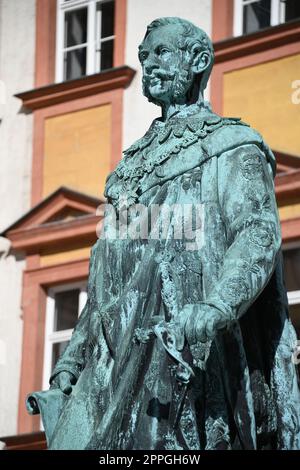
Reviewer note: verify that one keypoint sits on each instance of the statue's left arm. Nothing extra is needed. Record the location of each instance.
(249, 211)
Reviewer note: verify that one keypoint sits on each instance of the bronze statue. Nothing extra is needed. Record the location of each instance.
(183, 343)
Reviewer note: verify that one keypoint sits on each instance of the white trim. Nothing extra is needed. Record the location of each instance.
(68, 286)
(73, 48)
(59, 55)
(294, 297)
(275, 11)
(282, 10)
(71, 4)
(82, 299)
(91, 24)
(97, 55)
(238, 18)
(60, 336)
(49, 327)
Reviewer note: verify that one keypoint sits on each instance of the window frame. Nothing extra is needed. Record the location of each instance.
(277, 14)
(51, 337)
(93, 36)
(292, 295)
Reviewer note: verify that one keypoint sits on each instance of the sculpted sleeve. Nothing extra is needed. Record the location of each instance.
(73, 358)
(249, 211)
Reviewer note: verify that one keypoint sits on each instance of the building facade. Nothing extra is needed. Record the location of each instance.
(17, 45)
(71, 101)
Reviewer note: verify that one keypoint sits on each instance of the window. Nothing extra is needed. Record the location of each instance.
(291, 259)
(252, 15)
(85, 37)
(64, 304)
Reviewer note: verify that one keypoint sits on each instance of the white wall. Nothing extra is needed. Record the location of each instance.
(17, 46)
(138, 113)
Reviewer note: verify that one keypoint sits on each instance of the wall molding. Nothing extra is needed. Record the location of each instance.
(108, 80)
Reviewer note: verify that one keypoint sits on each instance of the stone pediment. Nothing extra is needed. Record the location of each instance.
(64, 215)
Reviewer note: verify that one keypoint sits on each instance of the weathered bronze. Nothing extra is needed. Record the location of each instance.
(184, 343)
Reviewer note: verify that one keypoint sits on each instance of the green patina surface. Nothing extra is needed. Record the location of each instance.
(182, 345)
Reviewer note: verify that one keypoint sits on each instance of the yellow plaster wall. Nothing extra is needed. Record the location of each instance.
(289, 212)
(78, 150)
(262, 96)
(50, 257)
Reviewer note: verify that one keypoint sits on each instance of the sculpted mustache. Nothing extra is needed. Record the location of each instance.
(162, 75)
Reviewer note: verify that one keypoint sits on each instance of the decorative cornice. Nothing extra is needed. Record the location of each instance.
(37, 229)
(63, 197)
(55, 233)
(119, 77)
(30, 441)
(292, 162)
(287, 186)
(263, 40)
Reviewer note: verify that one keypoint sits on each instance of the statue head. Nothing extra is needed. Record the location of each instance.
(177, 59)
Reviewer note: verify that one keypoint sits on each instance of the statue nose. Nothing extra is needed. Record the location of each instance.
(149, 66)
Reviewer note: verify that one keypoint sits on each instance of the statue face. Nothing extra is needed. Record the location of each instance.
(166, 72)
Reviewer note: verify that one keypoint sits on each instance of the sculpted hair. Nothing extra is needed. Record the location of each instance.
(191, 35)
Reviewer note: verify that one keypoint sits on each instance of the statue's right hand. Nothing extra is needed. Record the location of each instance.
(65, 381)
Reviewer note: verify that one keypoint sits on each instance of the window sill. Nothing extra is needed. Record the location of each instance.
(119, 77)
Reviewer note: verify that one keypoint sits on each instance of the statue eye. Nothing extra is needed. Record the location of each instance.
(163, 50)
(143, 56)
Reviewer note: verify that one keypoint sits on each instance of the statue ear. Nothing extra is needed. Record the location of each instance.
(200, 59)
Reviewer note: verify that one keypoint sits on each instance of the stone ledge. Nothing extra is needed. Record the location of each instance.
(119, 77)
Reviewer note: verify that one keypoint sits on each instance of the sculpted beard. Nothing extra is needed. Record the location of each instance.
(182, 81)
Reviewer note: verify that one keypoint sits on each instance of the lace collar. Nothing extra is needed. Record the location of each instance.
(192, 118)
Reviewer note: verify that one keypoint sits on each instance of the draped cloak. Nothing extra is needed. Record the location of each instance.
(243, 391)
